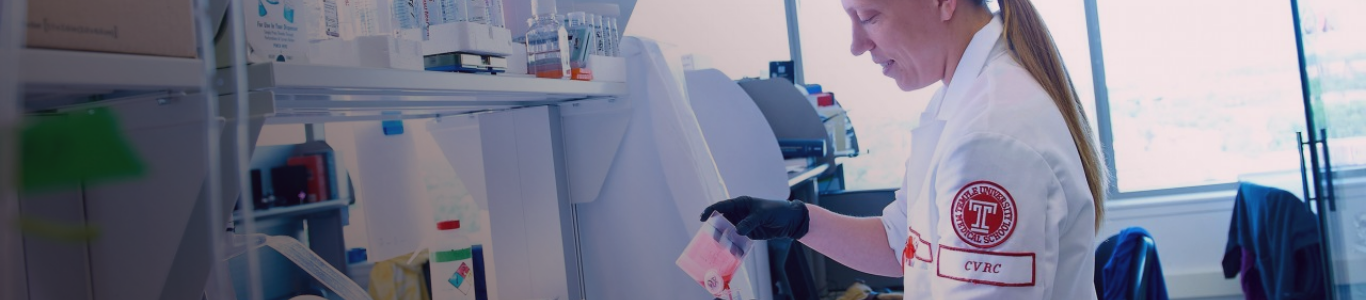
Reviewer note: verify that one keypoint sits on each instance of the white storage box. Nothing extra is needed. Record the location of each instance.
(380, 51)
(607, 68)
(468, 37)
(334, 52)
(517, 61)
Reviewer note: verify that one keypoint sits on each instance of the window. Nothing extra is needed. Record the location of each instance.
(738, 37)
(1201, 94)
(1195, 96)
(882, 114)
(1336, 59)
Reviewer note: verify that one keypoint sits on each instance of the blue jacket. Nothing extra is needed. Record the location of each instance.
(1117, 281)
(1273, 240)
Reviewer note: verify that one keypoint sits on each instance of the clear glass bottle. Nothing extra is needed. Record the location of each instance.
(452, 263)
(547, 42)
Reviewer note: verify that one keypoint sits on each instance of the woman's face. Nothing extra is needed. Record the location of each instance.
(906, 37)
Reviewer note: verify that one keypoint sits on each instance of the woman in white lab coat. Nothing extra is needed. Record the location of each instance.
(1004, 186)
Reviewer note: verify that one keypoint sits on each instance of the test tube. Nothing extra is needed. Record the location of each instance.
(613, 38)
(601, 35)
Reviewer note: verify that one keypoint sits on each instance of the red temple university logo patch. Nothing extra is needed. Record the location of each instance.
(983, 214)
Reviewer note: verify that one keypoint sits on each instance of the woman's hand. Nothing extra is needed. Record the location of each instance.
(763, 219)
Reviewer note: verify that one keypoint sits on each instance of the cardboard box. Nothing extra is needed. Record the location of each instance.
(150, 27)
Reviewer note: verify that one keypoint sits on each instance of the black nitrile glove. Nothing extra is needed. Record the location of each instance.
(763, 219)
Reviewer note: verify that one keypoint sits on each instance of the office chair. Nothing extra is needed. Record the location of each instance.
(1138, 289)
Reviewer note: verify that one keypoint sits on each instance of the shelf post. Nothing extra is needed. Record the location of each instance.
(13, 282)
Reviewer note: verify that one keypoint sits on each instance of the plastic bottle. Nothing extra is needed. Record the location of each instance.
(576, 27)
(478, 11)
(547, 42)
(452, 264)
(582, 39)
(452, 11)
(496, 14)
(408, 14)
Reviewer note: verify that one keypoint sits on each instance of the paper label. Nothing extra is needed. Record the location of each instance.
(985, 267)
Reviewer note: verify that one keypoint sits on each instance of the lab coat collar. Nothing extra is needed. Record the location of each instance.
(975, 57)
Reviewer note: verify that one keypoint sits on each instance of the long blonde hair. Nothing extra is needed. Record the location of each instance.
(1033, 47)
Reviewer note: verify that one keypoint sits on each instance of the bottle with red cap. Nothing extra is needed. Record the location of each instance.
(452, 264)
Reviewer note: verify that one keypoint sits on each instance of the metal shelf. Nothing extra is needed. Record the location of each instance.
(276, 212)
(315, 93)
(52, 74)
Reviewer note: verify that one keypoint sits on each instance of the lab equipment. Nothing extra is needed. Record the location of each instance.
(476, 38)
(408, 14)
(496, 18)
(390, 51)
(547, 43)
(646, 138)
(465, 62)
(802, 148)
(477, 11)
(433, 13)
(316, 267)
(452, 11)
(581, 39)
(613, 38)
(598, 34)
(290, 185)
(452, 264)
(481, 290)
(317, 176)
(714, 255)
(782, 69)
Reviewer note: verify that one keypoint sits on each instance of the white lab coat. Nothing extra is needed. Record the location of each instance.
(995, 200)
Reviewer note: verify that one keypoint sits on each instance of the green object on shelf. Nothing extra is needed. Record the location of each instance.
(64, 151)
(34, 227)
(454, 255)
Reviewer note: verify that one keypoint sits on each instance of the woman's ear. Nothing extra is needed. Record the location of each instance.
(946, 8)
